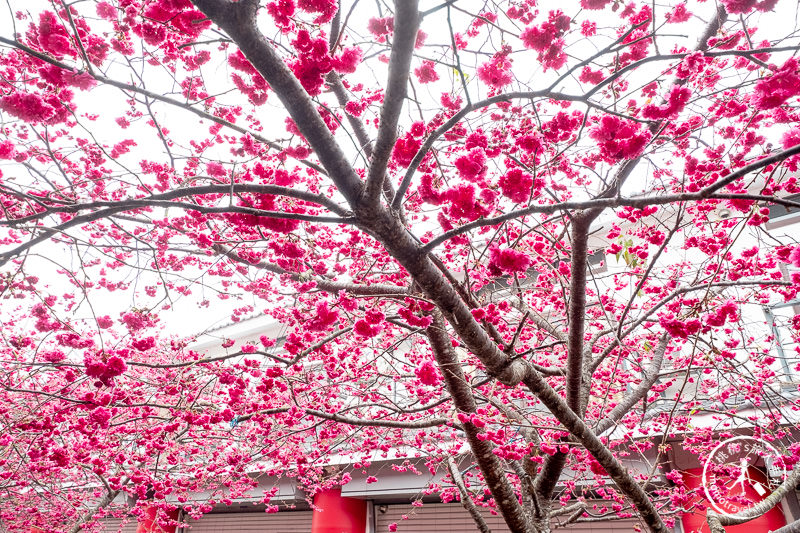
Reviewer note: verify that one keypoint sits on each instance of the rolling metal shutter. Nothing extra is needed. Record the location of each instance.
(615, 526)
(114, 525)
(434, 518)
(451, 517)
(281, 522)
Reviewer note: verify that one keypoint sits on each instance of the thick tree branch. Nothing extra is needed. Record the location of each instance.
(238, 19)
(464, 401)
(576, 316)
(406, 23)
(573, 423)
(792, 527)
(717, 522)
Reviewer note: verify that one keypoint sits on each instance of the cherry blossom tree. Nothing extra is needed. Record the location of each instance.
(511, 234)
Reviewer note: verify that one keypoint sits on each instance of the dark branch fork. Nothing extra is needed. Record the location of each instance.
(238, 20)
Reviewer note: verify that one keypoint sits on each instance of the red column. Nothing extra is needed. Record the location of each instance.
(148, 522)
(696, 522)
(336, 514)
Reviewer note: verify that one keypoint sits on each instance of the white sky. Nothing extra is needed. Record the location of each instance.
(185, 317)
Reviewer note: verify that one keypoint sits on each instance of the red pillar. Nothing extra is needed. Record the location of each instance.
(148, 522)
(336, 514)
(696, 522)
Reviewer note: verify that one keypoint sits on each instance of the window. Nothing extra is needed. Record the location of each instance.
(597, 261)
(782, 215)
(784, 344)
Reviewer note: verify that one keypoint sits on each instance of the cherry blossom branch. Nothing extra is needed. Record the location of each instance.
(159, 97)
(528, 473)
(323, 284)
(335, 83)
(651, 375)
(650, 267)
(406, 23)
(272, 411)
(358, 422)
(578, 428)
(490, 465)
(104, 502)
(48, 232)
(434, 9)
(706, 193)
(407, 424)
(184, 192)
(76, 37)
(757, 198)
(137, 205)
(410, 410)
(457, 57)
(466, 499)
(542, 323)
(644, 317)
(185, 364)
(455, 119)
(607, 49)
(711, 29)
(239, 20)
(667, 57)
(319, 344)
